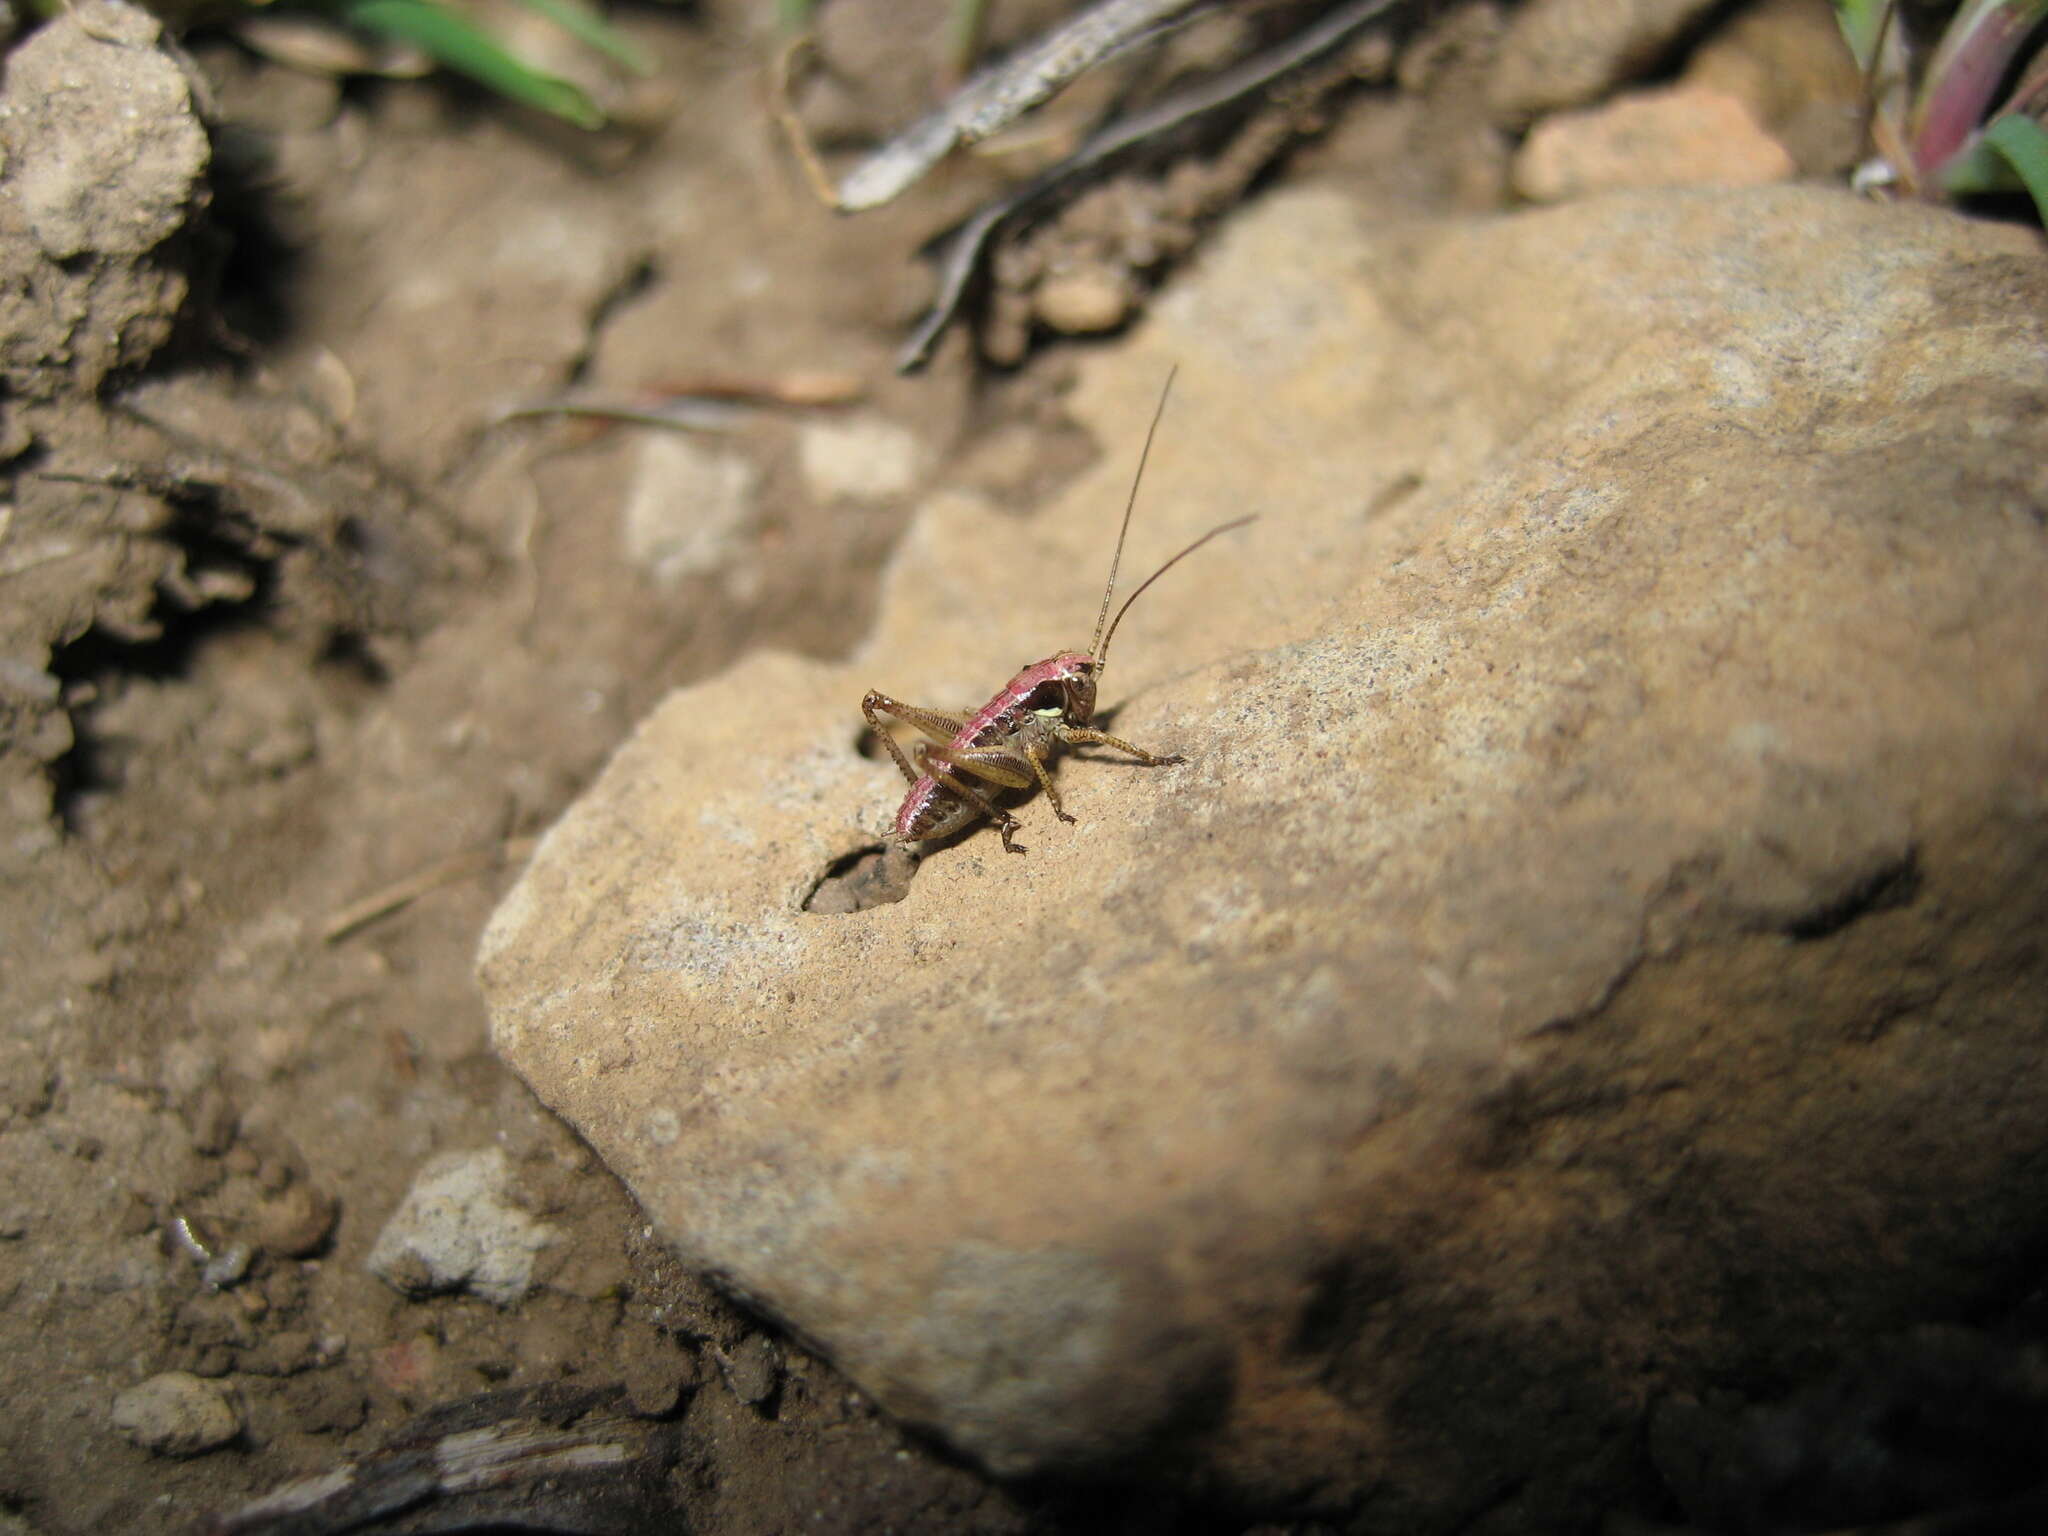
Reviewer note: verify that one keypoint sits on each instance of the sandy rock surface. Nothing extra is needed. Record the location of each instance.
(1593, 925)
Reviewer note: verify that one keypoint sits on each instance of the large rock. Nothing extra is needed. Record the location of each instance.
(1592, 947)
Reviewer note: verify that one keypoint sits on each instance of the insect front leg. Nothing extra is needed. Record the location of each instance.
(1083, 736)
(1036, 754)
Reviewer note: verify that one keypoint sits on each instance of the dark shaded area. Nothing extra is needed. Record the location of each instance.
(1884, 889)
(1940, 1421)
(227, 581)
(260, 264)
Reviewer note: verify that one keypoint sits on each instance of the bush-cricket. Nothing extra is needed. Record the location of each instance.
(1005, 743)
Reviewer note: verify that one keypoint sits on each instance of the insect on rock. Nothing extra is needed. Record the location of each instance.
(1006, 743)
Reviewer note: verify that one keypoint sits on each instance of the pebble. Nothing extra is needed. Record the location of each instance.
(297, 1222)
(1084, 301)
(177, 1414)
(457, 1229)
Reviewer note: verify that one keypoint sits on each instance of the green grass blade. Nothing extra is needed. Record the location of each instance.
(2024, 143)
(1863, 25)
(459, 44)
(593, 31)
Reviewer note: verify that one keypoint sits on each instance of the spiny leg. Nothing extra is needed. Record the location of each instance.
(938, 762)
(1083, 736)
(1036, 756)
(935, 724)
(942, 725)
(999, 765)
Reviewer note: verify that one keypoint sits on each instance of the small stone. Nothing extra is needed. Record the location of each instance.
(297, 1222)
(323, 1403)
(1684, 136)
(863, 458)
(1084, 301)
(177, 1414)
(457, 1230)
(135, 1217)
(274, 1174)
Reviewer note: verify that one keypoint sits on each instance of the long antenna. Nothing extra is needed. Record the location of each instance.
(1221, 528)
(1130, 506)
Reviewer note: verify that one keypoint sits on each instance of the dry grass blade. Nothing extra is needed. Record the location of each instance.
(402, 893)
(987, 103)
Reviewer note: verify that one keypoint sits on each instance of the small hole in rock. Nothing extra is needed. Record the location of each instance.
(352, 652)
(872, 876)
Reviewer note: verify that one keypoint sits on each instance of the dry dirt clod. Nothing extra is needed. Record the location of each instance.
(753, 1370)
(177, 1414)
(654, 1368)
(104, 162)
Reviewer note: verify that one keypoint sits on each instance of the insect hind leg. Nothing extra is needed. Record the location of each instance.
(934, 723)
(994, 766)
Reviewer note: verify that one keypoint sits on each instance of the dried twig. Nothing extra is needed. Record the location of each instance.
(551, 1457)
(784, 108)
(964, 250)
(683, 415)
